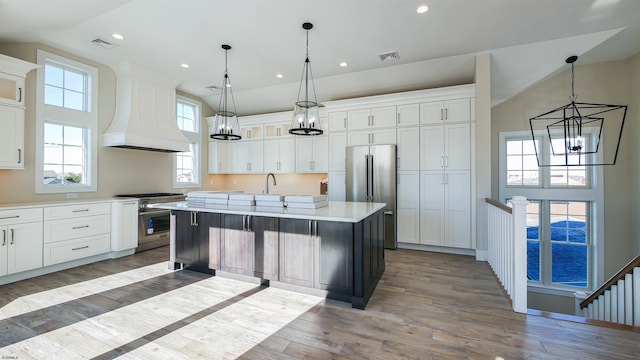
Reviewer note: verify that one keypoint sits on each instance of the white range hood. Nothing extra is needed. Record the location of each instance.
(145, 117)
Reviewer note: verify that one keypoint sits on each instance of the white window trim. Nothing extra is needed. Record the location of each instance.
(74, 118)
(193, 137)
(594, 194)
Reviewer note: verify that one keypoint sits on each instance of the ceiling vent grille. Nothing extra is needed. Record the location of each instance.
(389, 56)
(102, 43)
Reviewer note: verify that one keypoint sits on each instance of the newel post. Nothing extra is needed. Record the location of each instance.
(519, 253)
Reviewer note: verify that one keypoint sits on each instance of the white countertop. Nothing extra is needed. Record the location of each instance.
(336, 210)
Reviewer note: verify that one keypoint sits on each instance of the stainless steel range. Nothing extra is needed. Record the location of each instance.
(153, 224)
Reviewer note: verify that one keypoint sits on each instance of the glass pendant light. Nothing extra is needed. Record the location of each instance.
(225, 122)
(306, 119)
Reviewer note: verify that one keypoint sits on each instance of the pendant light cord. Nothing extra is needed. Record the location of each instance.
(573, 94)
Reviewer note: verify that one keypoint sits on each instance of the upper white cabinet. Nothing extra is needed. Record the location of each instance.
(248, 157)
(277, 130)
(251, 132)
(11, 137)
(337, 121)
(445, 147)
(377, 117)
(408, 149)
(372, 137)
(408, 115)
(217, 162)
(437, 112)
(12, 99)
(279, 156)
(337, 153)
(312, 154)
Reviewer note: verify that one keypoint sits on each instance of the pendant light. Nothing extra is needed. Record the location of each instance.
(576, 130)
(225, 122)
(306, 119)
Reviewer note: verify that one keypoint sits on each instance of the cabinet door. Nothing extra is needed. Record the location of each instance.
(408, 212)
(24, 250)
(4, 245)
(185, 239)
(408, 148)
(335, 264)
(217, 157)
(432, 112)
(408, 115)
(359, 137)
(271, 156)
(337, 121)
(257, 161)
(457, 228)
(243, 157)
(237, 244)
(297, 249)
(231, 157)
(432, 148)
(458, 110)
(266, 231)
(304, 154)
(337, 155)
(380, 137)
(383, 117)
(457, 150)
(432, 208)
(124, 225)
(207, 233)
(337, 186)
(358, 119)
(287, 156)
(320, 154)
(11, 138)
(11, 89)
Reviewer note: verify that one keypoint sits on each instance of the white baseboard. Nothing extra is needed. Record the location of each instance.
(482, 255)
(440, 249)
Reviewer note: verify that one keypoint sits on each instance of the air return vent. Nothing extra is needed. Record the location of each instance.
(102, 43)
(389, 56)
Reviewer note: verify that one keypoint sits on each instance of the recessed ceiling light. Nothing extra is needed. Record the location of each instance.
(343, 64)
(422, 9)
(117, 36)
(279, 76)
(186, 66)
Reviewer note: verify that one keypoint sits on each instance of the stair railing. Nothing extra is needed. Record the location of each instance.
(507, 248)
(618, 299)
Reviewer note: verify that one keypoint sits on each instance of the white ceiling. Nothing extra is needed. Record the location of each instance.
(528, 41)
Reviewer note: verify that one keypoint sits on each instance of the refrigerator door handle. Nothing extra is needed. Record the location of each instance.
(371, 194)
(368, 170)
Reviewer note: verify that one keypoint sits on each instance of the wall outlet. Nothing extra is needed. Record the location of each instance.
(72, 195)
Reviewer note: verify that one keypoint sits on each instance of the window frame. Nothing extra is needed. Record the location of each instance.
(195, 140)
(593, 194)
(87, 119)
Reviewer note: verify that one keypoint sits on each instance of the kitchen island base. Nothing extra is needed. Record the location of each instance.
(341, 260)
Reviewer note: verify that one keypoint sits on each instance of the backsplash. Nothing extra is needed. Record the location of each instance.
(255, 183)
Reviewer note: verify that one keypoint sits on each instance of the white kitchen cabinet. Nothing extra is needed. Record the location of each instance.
(408, 115)
(449, 111)
(312, 154)
(20, 240)
(372, 137)
(248, 157)
(277, 130)
(408, 207)
(218, 159)
(408, 150)
(337, 121)
(124, 224)
(337, 151)
(279, 156)
(378, 117)
(12, 80)
(11, 137)
(445, 147)
(337, 190)
(252, 131)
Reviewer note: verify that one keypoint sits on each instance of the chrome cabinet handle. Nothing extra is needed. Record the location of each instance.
(446, 114)
(81, 210)
(19, 156)
(80, 248)
(12, 237)
(4, 237)
(10, 217)
(19, 94)
(310, 221)
(80, 227)
(373, 119)
(446, 161)
(315, 225)
(345, 123)
(398, 118)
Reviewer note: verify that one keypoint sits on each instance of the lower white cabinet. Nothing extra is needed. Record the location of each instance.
(445, 209)
(11, 137)
(124, 225)
(20, 240)
(337, 186)
(408, 207)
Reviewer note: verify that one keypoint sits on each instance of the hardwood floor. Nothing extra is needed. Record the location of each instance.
(427, 306)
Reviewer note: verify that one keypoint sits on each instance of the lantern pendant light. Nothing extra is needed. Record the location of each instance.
(225, 122)
(306, 119)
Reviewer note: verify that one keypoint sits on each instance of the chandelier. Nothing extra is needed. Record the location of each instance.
(225, 122)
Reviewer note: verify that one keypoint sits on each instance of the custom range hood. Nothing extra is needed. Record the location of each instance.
(145, 117)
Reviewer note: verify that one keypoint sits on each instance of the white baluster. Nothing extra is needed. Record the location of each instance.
(636, 296)
(621, 301)
(601, 307)
(607, 305)
(628, 299)
(596, 308)
(614, 303)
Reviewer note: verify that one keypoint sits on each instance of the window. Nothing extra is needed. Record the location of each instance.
(67, 125)
(564, 202)
(187, 164)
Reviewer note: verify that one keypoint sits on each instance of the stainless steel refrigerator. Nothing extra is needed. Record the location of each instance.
(371, 177)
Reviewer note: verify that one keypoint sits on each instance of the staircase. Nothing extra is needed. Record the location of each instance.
(618, 299)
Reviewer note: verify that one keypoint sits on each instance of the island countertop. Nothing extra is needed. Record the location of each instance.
(343, 211)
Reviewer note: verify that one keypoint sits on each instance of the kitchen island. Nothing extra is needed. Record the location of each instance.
(335, 251)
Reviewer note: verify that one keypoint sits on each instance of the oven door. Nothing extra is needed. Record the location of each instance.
(153, 229)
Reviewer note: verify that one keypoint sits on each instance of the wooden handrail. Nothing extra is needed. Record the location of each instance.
(499, 205)
(614, 279)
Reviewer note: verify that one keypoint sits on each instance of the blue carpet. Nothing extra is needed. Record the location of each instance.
(568, 262)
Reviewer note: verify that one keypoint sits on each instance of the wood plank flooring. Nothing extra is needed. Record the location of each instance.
(427, 306)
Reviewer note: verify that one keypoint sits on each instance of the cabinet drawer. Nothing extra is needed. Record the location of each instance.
(62, 251)
(65, 229)
(67, 211)
(20, 216)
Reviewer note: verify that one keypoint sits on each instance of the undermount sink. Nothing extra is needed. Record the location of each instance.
(269, 197)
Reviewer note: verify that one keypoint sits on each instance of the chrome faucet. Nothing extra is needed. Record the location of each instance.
(274, 182)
